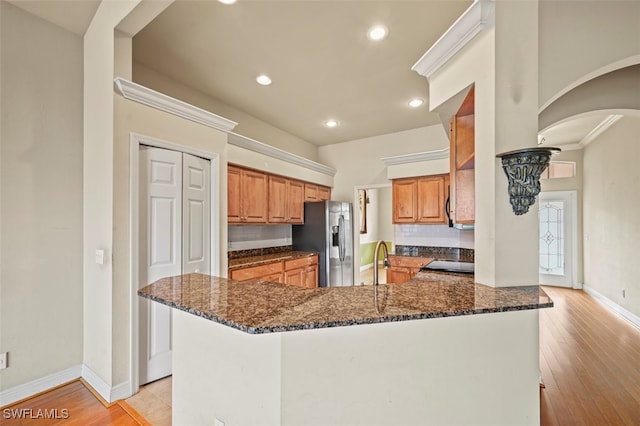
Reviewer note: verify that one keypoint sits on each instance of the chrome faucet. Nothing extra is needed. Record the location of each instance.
(385, 261)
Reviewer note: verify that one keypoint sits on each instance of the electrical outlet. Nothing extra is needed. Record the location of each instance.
(3, 360)
(624, 293)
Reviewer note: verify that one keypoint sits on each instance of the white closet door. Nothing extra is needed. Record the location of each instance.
(196, 214)
(160, 253)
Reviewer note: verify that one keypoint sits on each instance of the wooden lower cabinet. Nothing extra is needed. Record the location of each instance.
(302, 272)
(268, 272)
(404, 268)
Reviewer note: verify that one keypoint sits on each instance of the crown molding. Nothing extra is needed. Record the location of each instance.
(416, 157)
(599, 129)
(144, 95)
(475, 19)
(271, 151)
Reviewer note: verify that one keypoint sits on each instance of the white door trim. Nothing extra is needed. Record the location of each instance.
(572, 197)
(356, 225)
(135, 140)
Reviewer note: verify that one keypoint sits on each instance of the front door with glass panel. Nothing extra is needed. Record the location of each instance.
(556, 238)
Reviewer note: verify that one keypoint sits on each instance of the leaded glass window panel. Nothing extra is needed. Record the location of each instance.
(551, 237)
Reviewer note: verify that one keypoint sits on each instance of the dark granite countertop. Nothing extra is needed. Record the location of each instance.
(244, 262)
(436, 253)
(257, 306)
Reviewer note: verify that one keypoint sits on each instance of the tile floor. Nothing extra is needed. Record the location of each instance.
(153, 402)
(366, 276)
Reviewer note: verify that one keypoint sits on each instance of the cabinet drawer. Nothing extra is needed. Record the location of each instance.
(300, 263)
(256, 271)
(409, 261)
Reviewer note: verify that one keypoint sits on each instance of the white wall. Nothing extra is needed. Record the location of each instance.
(359, 162)
(611, 205)
(98, 180)
(133, 117)
(248, 125)
(468, 370)
(433, 236)
(41, 197)
(581, 39)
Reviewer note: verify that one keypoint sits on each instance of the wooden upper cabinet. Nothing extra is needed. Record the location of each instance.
(246, 196)
(313, 192)
(462, 162)
(324, 193)
(431, 199)
(286, 200)
(257, 197)
(296, 201)
(405, 200)
(234, 197)
(419, 200)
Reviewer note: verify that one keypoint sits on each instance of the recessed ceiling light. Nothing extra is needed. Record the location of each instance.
(377, 32)
(263, 79)
(415, 103)
(227, 1)
(331, 123)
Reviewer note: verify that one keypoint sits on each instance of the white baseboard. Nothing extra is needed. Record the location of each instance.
(42, 384)
(365, 267)
(612, 306)
(108, 393)
(34, 387)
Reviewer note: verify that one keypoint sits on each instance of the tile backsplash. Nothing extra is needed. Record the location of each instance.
(433, 235)
(246, 237)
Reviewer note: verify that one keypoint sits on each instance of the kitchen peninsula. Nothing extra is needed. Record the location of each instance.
(439, 349)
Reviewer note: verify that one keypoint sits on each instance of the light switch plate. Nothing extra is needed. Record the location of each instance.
(100, 257)
(3, 360)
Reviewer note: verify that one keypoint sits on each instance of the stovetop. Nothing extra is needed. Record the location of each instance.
(456, 266)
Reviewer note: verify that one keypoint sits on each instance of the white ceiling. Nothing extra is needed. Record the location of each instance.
(317, 54)
(322, 64)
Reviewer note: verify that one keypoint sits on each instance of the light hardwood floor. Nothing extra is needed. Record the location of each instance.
(590, 362)
(71, 404)
(589, 358)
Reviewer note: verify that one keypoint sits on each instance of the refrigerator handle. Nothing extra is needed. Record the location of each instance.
(341, 238)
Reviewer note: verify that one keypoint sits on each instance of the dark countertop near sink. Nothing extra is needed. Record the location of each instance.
(244, 262)
(256, 306)
(437, 253)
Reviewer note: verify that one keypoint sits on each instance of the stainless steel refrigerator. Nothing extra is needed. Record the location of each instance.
(328, 230)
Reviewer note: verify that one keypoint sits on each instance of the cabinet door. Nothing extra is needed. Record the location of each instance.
(462, 162)
(294, 277)
(234, 209)
(310, 278)
(277, 199)
(431, 200)
(398, 275)
(405, 193)
(254, 196)
(310, 192)
(324, 193)
(295, 193)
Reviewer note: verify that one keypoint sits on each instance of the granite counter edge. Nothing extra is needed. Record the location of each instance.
(344, 323)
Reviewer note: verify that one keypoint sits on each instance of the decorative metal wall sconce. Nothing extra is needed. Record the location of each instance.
(523, 168)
